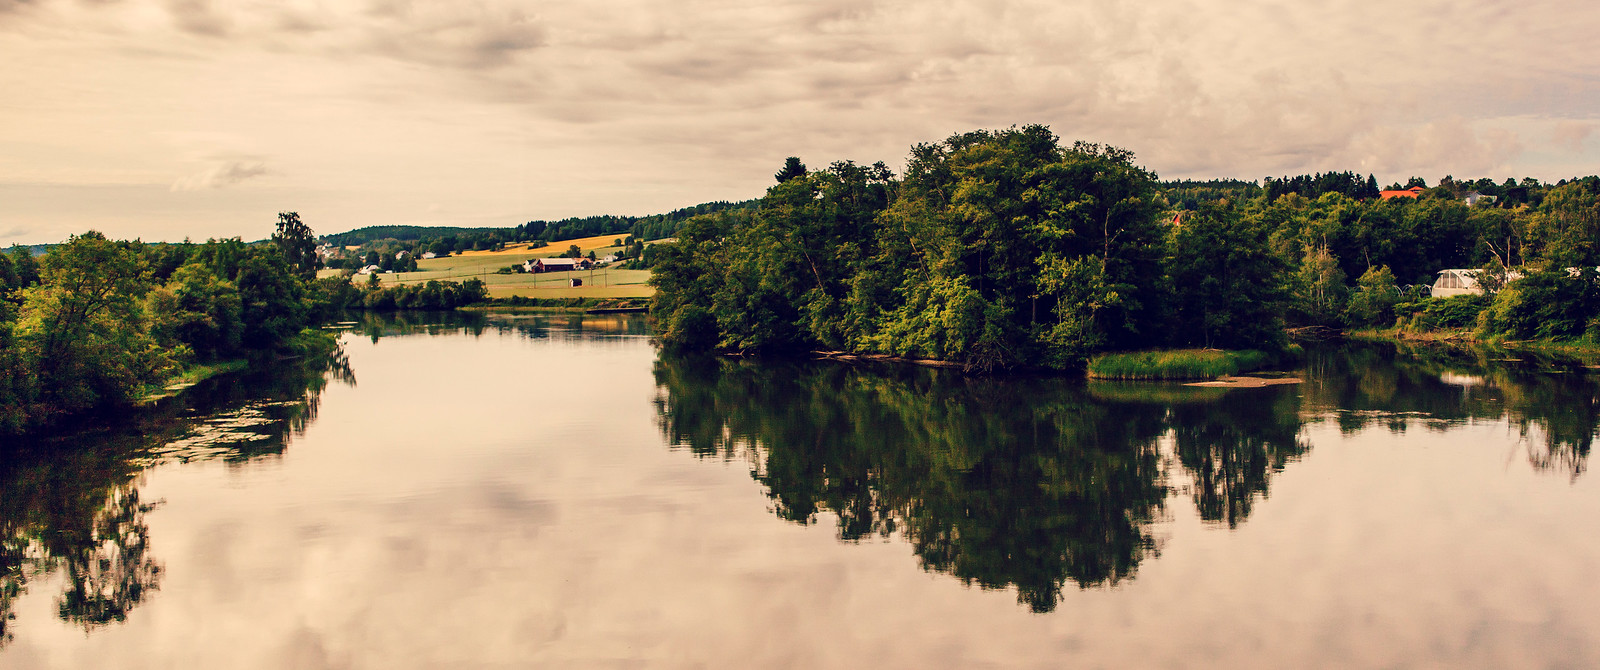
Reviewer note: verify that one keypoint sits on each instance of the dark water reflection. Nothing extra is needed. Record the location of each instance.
(510, 469)
(1030, 483)
(1553, 402)
(1035, 483)
(70, 503)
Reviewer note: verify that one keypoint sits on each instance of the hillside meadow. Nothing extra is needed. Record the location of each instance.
(484, 265)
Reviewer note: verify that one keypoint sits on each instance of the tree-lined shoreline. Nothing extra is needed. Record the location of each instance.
(1009, 249)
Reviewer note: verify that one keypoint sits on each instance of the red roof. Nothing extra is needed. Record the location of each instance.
(1412, 192)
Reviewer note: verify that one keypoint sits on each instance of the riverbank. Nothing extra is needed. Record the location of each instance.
(1588, 353)
(586, 305)
(309, 343)
(189, 376)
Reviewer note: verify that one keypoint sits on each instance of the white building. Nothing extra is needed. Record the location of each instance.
(1455, 282)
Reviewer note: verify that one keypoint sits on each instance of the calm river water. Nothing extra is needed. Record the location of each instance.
(551, 491)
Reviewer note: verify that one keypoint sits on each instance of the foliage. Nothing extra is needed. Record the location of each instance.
(1226, 283)
(386, 241)
(1004, 249)
(81, 333)
(1317, 290)
(998, 249)
(298, 245)
(1373, 301)
(1457, 312)
(1031, 484)
(432, 295)
(200, 310)
(95, 323)
(1176, 363)
(1546, 305)
(1313, 186)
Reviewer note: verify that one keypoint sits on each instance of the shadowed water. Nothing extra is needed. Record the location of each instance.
(552, 491)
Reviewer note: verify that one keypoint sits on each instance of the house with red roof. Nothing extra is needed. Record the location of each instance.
(1412, 192)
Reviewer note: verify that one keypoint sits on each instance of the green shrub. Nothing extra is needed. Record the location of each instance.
(1549, 305)
(1178, 363)
(1457, 312)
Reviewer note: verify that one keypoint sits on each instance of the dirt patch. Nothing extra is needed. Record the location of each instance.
(1246, 382)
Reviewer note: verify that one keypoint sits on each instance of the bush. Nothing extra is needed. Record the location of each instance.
(1457, 312)
(1543, 305)
(1374, 300)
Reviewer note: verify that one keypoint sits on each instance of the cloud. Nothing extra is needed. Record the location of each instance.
(7, 6)
(227, 174)
(1570, 135)
(14, 233)
(198, 17)
(573, 107)
(461, 35)
(1448, 146)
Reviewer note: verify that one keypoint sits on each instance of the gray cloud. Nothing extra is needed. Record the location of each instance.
(701, 98)
(198, 17)
(226, 174)
(15, 233)
(7, 6)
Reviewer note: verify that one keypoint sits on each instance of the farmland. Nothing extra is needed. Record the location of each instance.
(485, 265)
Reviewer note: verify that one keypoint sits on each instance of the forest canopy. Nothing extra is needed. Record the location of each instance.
(1010, 249)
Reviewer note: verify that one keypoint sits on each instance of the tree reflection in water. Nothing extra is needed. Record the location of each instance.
(1032, 482)
(1029, 483)
(71, 503)
(1552, 402)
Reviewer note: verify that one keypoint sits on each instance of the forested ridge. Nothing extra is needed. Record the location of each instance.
(1006, 249)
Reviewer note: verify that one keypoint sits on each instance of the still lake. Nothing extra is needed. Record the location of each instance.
(552, 491)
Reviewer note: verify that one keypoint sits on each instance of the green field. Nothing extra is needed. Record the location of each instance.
(484, 265)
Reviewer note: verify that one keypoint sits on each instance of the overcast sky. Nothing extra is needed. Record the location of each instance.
(166, 119)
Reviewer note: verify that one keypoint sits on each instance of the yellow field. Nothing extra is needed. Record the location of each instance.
(598, 283)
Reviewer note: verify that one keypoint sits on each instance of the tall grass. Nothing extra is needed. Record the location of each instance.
(1177, 364)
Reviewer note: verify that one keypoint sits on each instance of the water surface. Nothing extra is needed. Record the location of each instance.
(551, 491)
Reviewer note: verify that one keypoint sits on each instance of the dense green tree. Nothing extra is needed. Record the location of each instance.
(1227, 285)
(1547, 303)
(81, 330)
(1317, 290)
(271, 302)
(297, 244)
(792, 167)
(9, 281)
(24, 266)
(686, 276)
(197, 309)
(1006, 248)
(1373, 301)
(222, 257)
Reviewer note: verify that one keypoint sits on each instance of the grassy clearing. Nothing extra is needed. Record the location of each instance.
(1177, 364)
